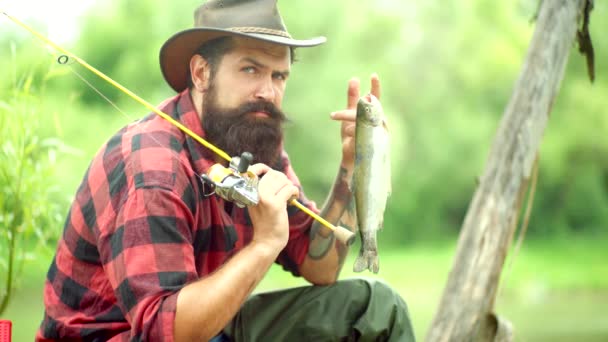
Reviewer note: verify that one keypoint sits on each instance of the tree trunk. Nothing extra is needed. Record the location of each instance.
(465, 312)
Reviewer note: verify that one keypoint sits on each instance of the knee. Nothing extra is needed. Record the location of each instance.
(375, 286)
(381, 293)
(385, 311)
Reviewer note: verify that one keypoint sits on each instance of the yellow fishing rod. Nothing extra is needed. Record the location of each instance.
(236, 178)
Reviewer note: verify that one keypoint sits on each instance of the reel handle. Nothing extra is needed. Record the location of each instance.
(246, 159)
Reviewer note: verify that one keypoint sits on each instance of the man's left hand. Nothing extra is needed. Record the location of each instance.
(348, 118)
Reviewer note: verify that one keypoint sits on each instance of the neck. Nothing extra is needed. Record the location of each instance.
(197, 100)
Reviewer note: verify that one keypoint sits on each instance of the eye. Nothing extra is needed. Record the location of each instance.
(249, 70)
(280, 76)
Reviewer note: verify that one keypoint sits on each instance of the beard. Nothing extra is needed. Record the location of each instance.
(236, 130)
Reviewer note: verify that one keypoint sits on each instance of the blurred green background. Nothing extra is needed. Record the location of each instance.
(447, 70)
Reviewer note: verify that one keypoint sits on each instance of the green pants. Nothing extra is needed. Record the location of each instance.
(349, 310)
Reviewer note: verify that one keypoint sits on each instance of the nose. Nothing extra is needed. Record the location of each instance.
(265, 91)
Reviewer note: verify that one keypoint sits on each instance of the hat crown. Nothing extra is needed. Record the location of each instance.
(230, 14)
(256, 19)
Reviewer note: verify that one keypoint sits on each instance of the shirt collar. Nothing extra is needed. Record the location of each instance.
(182, 109)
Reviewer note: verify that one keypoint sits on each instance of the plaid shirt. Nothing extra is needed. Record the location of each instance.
(140, 229)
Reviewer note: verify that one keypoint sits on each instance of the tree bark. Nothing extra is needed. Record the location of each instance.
(465, 312)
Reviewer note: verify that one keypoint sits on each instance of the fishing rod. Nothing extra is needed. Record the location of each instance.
(235, 183)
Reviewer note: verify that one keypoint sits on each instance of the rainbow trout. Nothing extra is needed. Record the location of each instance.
(371, 183)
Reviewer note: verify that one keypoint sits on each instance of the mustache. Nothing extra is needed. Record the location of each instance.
(262, 106)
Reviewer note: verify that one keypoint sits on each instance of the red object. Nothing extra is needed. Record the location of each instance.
(5, 330)
(165, 232)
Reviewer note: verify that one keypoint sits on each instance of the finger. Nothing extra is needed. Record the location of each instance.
(259, 168)
(287, 192)
(271, 176)
(353, 93)
(276, 188)
(272, 181)
(344, 115)
(350, 130)
(375, 90)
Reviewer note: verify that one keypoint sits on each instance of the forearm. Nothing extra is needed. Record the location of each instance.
(207, 305)
(325, 257)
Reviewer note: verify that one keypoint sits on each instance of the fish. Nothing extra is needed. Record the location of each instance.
(371, 182)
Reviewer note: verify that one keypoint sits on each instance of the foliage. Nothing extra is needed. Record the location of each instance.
(31, 208)
(548, 294)
(447, 69)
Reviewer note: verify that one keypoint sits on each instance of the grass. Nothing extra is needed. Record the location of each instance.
(551, 294)
(557, 290)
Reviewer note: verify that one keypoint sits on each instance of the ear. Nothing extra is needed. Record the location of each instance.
(200, 73)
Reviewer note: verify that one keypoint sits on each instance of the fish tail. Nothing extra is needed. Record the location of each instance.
(367, 260)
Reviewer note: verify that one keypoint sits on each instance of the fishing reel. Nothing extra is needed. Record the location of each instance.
(234, 183)
(238, 185)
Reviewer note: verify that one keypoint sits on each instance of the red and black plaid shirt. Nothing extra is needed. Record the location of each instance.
(140, 229)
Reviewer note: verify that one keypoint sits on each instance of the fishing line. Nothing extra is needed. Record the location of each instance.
(59, 59)
(68, 56)
(100, 94)
(294, 202)
(129, 93)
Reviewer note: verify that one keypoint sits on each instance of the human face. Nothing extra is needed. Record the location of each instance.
(247, 116)
(252, 71)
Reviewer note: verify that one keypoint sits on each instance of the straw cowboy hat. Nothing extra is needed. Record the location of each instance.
(259, 19)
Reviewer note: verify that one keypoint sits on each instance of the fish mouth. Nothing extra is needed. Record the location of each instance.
(368, 110)
(369, 100)
(366, 99)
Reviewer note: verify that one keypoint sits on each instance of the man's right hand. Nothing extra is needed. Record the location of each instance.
(269, 217)
(200, 317)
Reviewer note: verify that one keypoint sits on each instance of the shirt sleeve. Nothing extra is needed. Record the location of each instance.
(295, 251)
(148, 258)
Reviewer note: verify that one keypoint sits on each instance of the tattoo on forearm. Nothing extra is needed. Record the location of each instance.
(319, 245)
(341, 192)
(348, 221)
(351, 210)
(342, 251)
(339, 207)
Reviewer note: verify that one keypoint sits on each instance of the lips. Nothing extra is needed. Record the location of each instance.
(260, 114)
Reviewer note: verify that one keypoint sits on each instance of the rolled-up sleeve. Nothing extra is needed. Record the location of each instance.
(148, 257)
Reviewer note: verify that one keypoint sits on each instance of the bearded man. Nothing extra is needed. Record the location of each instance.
(148, 254)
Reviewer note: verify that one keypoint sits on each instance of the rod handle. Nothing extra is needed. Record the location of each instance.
(344, 235)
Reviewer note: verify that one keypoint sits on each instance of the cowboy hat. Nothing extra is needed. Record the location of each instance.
(258, 19)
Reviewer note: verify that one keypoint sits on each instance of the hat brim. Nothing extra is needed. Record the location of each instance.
(176, 53)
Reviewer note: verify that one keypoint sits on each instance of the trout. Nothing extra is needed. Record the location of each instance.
(371, 183)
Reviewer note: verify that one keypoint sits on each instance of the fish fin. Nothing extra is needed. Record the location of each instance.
(360, 263)
(375, 264)
(385, 124)
(367, 260)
